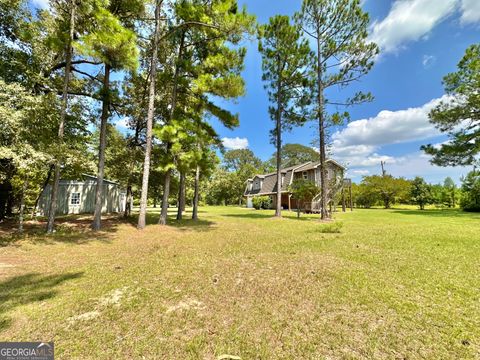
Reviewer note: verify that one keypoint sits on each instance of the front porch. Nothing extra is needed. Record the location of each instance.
(288, 203)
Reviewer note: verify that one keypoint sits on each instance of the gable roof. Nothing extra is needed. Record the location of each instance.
(316, 164)
(269, 181)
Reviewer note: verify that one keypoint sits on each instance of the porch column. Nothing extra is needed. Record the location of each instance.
(289, 202)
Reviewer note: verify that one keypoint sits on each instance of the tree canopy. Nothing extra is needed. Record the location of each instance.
(458, 115)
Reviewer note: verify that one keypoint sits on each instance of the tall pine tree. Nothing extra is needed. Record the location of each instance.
(286, 63)
(339, 29)
(459, 115)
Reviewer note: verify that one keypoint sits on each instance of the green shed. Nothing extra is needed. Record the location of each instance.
(78, 197)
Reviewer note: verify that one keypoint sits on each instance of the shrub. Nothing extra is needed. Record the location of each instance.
(262, 202)
(333, 228)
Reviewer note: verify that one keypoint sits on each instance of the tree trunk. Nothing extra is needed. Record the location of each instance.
(166, 187)
(195, 194)
(278, 128)
(128, 202)
(350, 197)
(321, 131)
(166, 194)
(151, 111)
(22, 206)
(61, 126)
(97, 217)
(181, 196)
(45, 183)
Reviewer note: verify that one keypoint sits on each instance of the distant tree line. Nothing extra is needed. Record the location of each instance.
(387, 191)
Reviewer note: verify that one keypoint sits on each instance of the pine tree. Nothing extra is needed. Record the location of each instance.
(343, 55)
(61, 127)
(286, 60)
(115, 46)
(206, 64)
(150, 115)
(459, 114)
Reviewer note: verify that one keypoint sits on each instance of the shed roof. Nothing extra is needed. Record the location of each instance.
(87, 177)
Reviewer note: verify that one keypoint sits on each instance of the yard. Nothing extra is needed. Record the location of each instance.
(401, 284)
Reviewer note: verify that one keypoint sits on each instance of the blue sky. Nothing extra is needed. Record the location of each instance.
(420, 41)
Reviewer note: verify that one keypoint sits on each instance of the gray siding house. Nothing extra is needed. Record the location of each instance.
(78, 197)
(266, 185)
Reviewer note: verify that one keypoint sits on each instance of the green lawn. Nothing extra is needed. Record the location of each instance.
(396, 284)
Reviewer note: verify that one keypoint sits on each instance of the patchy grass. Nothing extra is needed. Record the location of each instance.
(331, 228)
(392, 284)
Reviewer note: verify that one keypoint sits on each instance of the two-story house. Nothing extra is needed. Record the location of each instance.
(266, 185)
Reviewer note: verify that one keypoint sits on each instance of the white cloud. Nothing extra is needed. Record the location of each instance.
(470, 11)
(409, 20)
(360, 155)
(428, 61)
(409, 166)
(388, 127)
(43, 4)
(235, 143)
(413, 20)
(359, 145)
(417, 164)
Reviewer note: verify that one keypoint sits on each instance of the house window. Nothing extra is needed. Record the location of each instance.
(305, 175)
(75, 199)
(283, 178)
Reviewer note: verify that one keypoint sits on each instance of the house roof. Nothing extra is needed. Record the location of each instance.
(314, 165)
(285, 170)
(269, 181)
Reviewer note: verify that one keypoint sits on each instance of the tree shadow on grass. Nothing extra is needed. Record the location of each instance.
(189, 224)
(27, 289)
(250, 215)
(185, 224)
(73, 229)
(253, 215)
(441, 213)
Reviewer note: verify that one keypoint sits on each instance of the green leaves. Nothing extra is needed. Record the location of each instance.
(286, 61)
(110, 42)
(459, 114)
(471, 192)
(421, 193)
(344, 55)
(304, 190)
